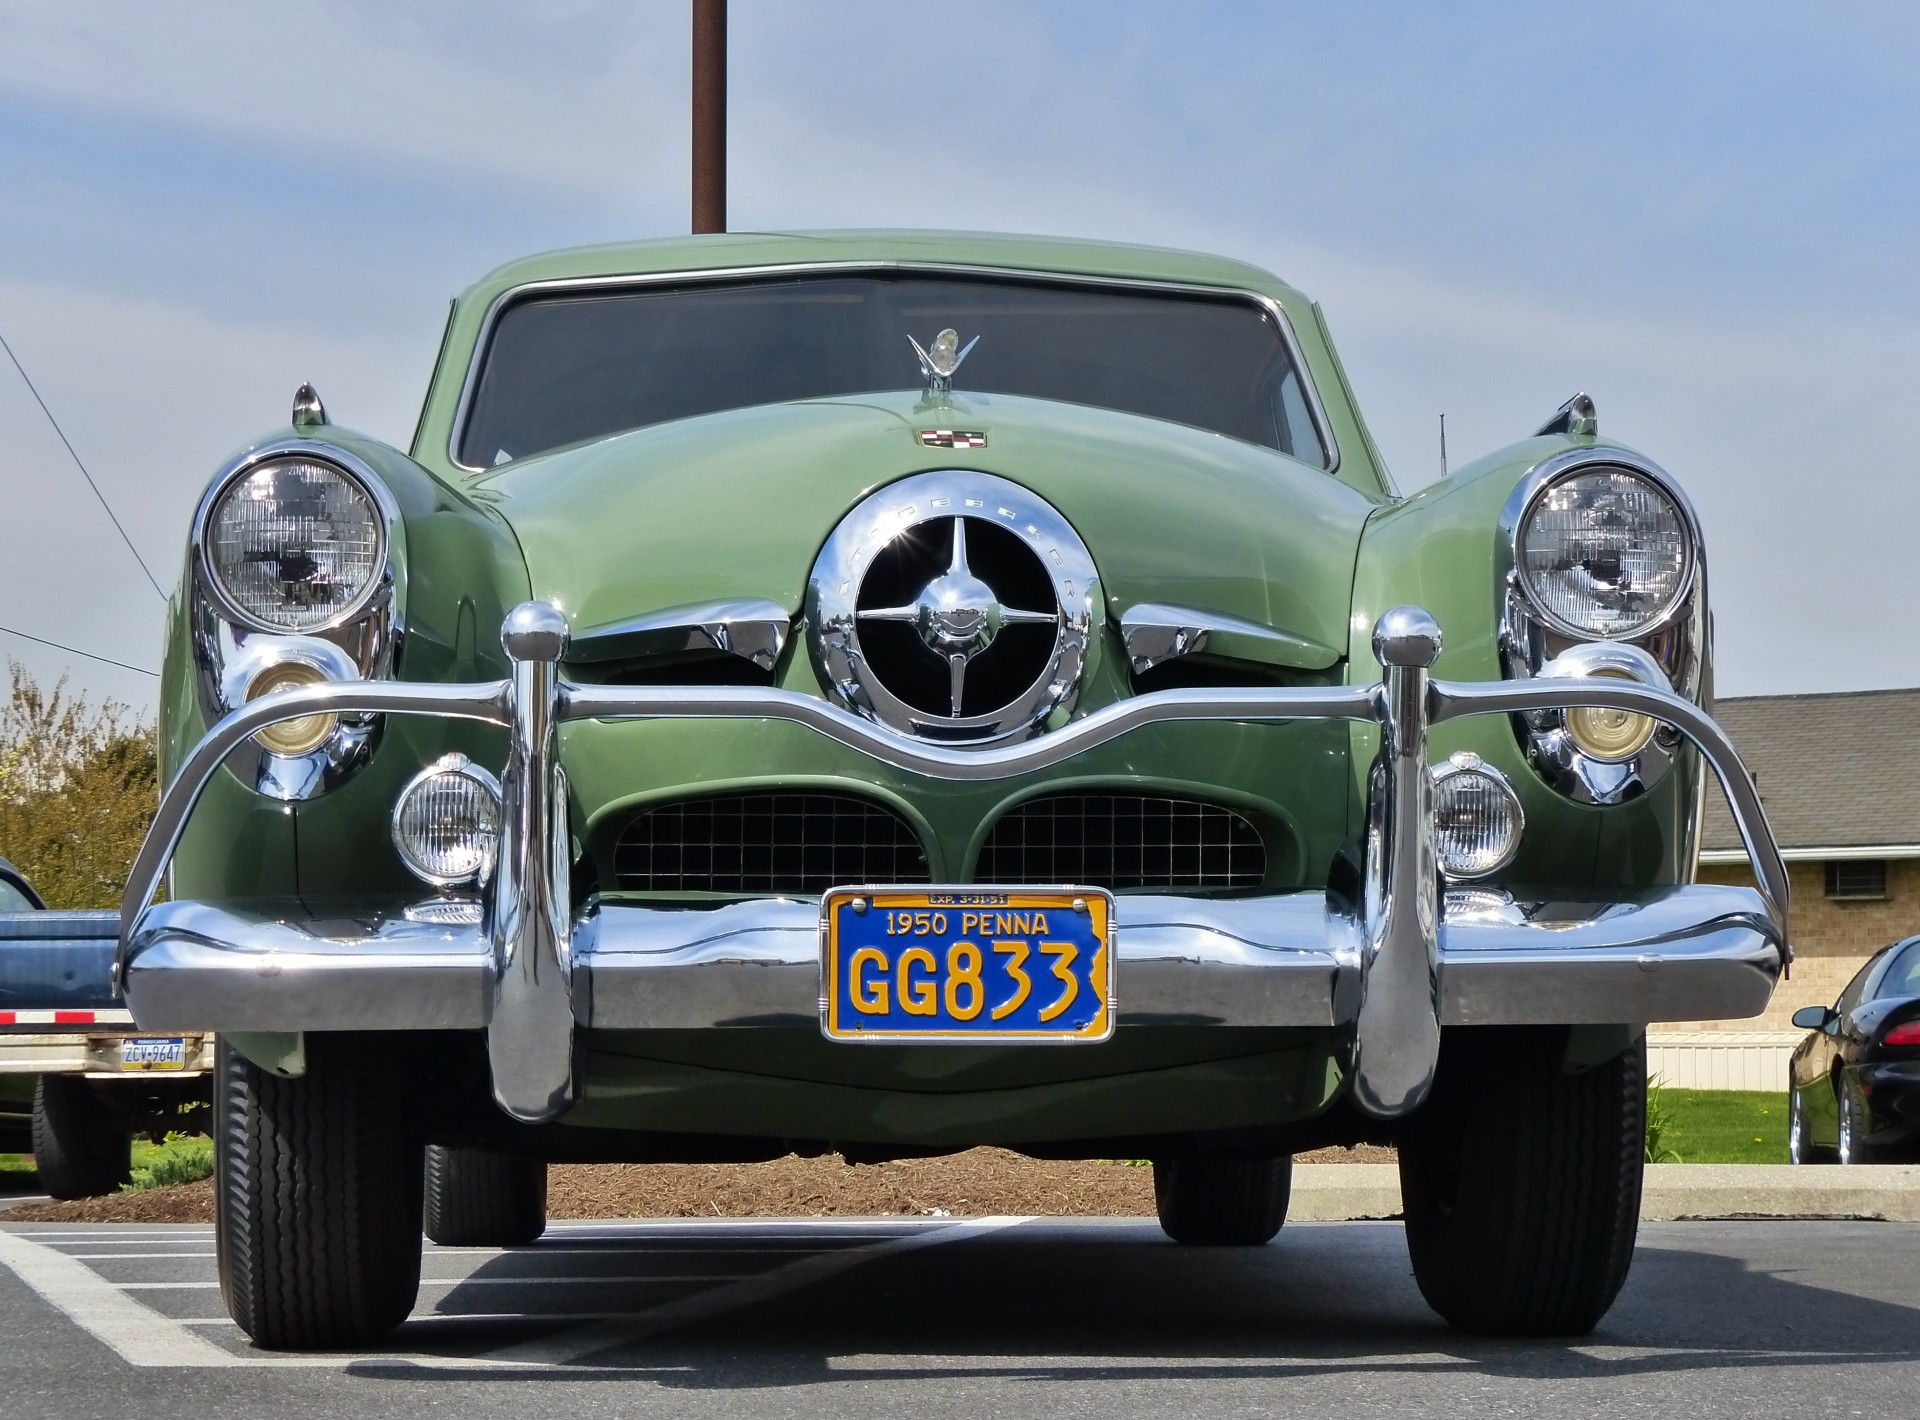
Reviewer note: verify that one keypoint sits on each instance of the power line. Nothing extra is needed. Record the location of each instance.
(83, 473)
(76, 651)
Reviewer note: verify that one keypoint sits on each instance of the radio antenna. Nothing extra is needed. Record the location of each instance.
(1443, 445)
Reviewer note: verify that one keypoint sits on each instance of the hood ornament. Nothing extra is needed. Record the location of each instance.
(938, 363)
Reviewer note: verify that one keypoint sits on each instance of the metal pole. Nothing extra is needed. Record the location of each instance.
(709, 115)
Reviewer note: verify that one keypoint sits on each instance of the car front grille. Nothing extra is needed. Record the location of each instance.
(782, 842)
(1124, 841)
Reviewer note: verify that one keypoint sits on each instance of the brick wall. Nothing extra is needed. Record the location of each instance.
(1831, 940)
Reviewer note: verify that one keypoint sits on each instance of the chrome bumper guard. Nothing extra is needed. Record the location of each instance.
(1395, 967)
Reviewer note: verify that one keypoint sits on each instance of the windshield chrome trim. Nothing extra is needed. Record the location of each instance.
(725, 274)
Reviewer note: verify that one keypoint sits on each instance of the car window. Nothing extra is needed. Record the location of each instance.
(1902, 976)
(12, 899)
(560, 368)
(1856, 988)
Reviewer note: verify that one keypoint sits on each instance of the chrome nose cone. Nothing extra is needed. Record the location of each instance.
(957, 612)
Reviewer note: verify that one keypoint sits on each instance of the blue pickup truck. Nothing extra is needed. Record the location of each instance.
(78, 1080)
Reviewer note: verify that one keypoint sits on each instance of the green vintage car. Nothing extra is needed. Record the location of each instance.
(893, 692)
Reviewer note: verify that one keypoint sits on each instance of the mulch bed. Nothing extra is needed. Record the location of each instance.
(977, 1182)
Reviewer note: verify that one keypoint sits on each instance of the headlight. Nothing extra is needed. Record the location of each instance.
(1612, 736)
(446, 824)
(1477, 820)
(295, 737)
(294, 544)
(1604, 553)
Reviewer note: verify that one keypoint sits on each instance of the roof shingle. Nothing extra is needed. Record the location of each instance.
(1835, 771)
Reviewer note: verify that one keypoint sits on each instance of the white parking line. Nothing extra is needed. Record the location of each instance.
(124, 1256)
(620, 1279)
(555, 1250)
(584, 1340)
(106, 1232)
(139, 1334)
(144, 1337)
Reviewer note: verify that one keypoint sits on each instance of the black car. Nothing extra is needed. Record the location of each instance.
(1853, 1093)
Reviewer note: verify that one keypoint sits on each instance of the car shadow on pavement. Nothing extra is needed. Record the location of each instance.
(1106, 1301)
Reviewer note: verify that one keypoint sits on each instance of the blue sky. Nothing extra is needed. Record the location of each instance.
(1703, 215)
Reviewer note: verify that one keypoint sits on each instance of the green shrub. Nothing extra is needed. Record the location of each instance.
(78, 787)
(180, 1158)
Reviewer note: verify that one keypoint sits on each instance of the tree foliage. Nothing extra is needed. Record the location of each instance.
(78, 787)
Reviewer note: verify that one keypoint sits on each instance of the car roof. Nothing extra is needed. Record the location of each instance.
(1066, 255)
(19, 880)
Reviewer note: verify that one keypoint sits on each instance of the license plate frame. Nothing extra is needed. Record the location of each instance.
(857, 922)
(152, 1054)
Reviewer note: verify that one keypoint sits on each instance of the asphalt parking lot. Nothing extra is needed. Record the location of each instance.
(980, 1317)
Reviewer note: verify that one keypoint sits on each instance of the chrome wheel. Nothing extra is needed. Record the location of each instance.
(1849, 1128)
(1796, 1128)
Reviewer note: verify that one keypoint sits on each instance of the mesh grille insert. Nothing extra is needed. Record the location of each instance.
(1124, 841)
(799, 843)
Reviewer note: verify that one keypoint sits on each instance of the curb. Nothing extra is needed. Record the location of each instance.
(1331, 1193)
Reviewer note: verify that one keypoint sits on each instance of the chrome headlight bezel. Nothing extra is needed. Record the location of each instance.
(307, 451)
(1537, 490)
(359, 641)
(1672, 645)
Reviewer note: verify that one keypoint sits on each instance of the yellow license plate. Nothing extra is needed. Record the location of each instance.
(967, 964)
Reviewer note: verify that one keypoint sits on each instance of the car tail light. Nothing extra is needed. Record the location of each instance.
(1906, 1033)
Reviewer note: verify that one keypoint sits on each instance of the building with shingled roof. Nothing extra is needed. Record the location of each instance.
(1839, 775)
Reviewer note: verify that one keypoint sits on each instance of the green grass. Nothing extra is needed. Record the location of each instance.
(1719, 1126)
(15, 1169)
(182, 1158)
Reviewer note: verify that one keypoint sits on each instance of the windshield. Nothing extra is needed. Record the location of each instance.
(565, 367)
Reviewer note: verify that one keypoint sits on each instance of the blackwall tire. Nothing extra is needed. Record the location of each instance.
(1520, 1182)
(477, 1198)
(1222, 1202)
(316, 1197)
(79, 1149)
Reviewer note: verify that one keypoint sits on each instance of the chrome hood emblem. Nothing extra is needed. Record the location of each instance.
(938, 363)
(955, 606)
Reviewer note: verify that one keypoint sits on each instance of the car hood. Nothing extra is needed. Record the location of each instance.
(737, 505)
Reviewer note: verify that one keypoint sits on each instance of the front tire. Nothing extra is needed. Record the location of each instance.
(477, 1198)
(316, 1197)
(1521, 1182)
(79, 1148)
(1222, 1202)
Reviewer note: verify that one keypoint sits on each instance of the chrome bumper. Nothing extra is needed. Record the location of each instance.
(1394, 967)
(1688, 953)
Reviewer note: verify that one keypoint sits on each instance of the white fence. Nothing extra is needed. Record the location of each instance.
(1721, 1059)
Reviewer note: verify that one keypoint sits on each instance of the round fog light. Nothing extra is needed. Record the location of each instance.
(1476, 817)
(446, 823)
(294, 737)
(1612, 735)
